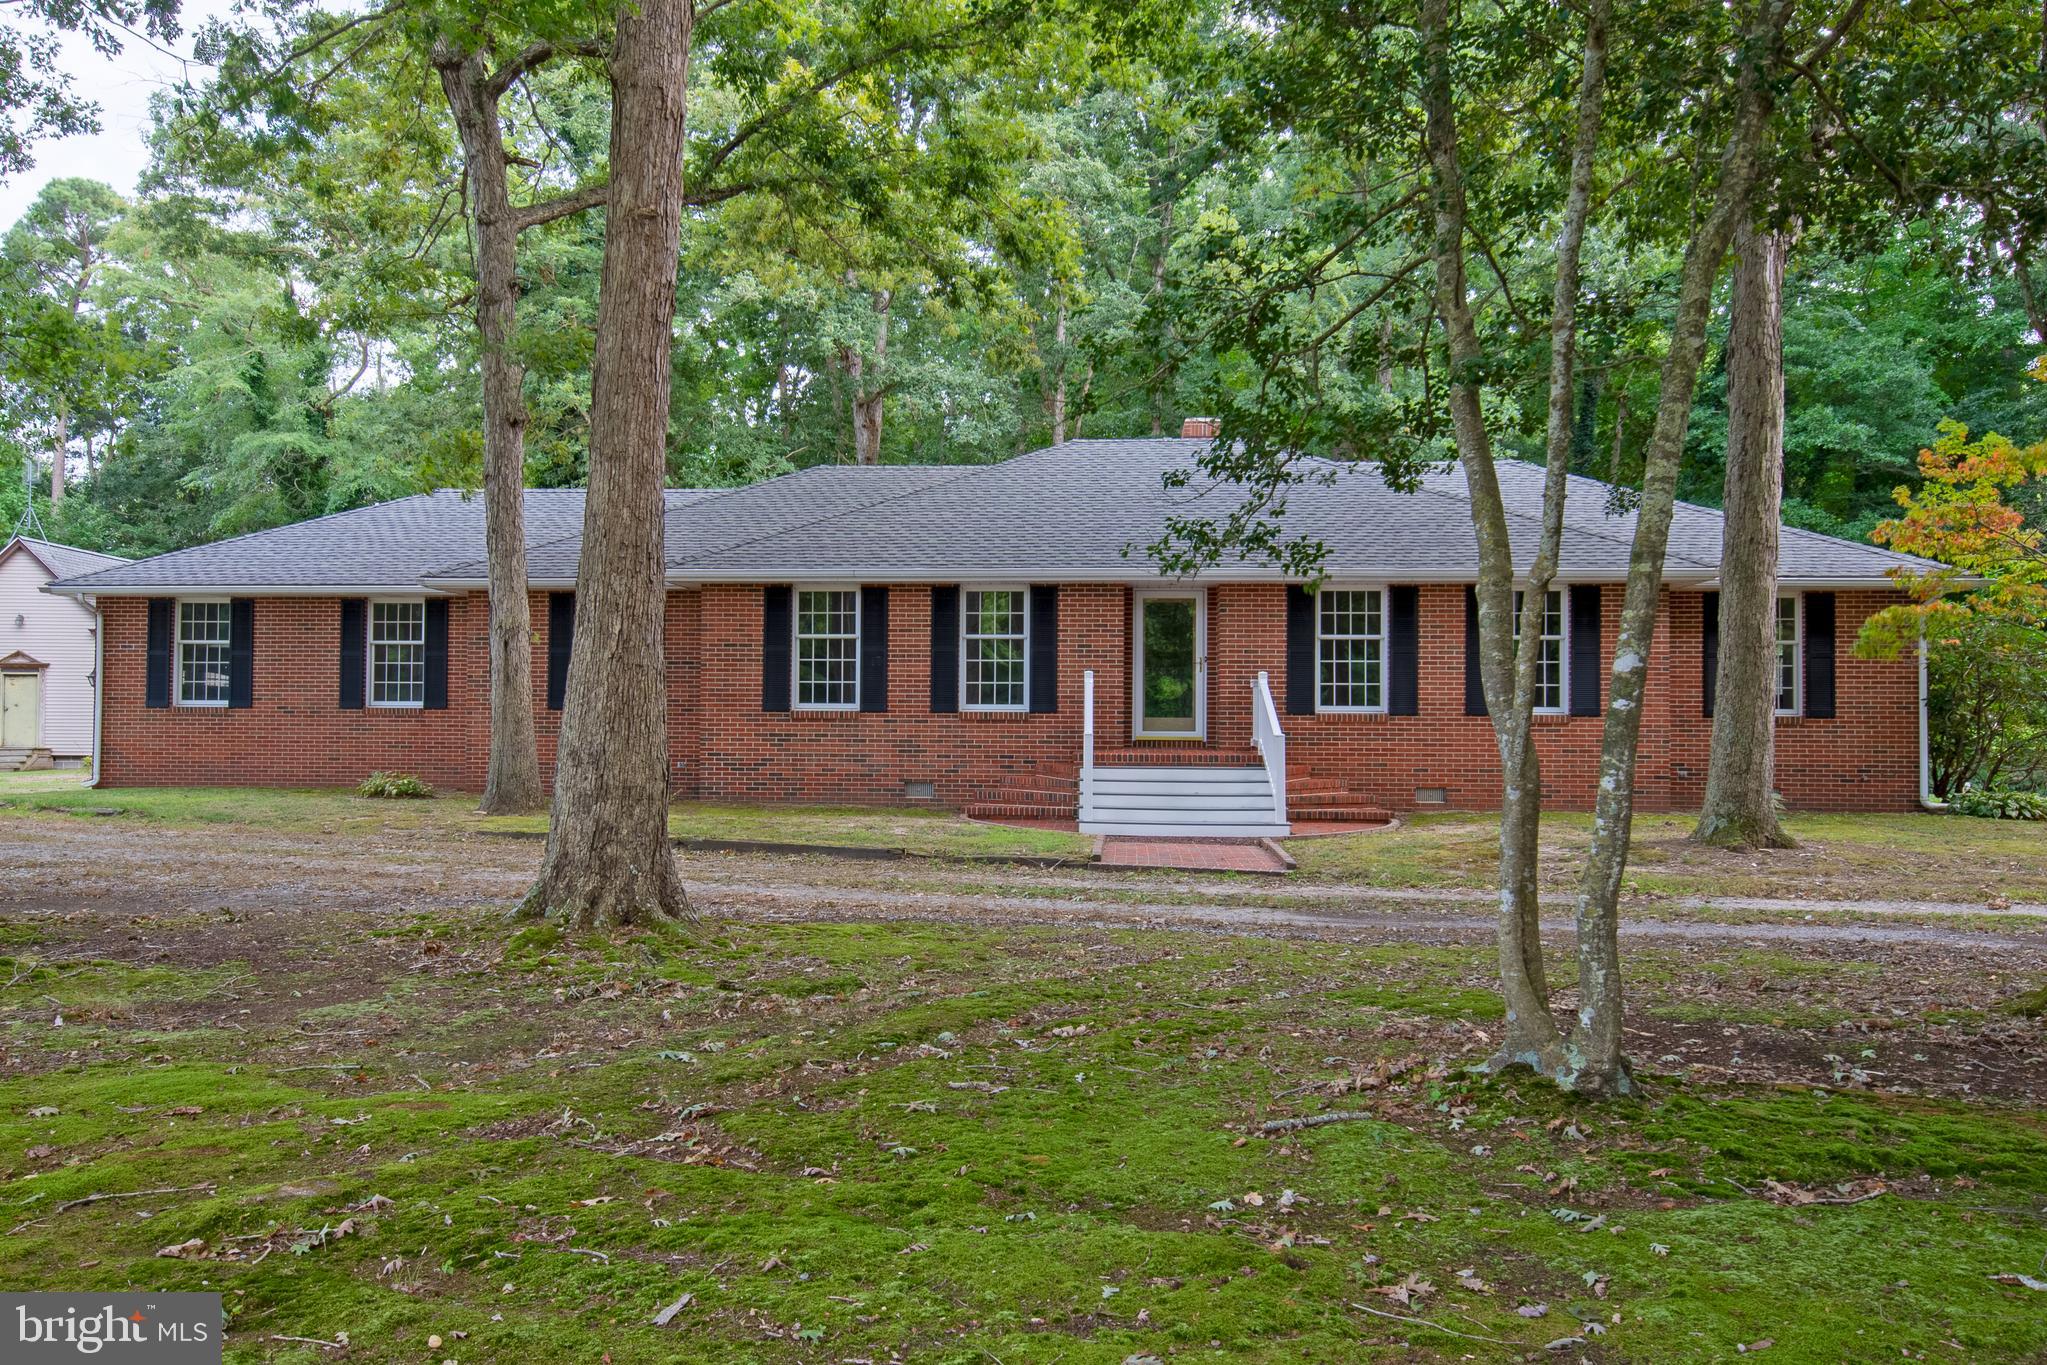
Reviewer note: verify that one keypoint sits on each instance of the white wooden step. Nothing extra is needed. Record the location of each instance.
(1251, 801)
(1172, 791)
(1179, 829)
(1135, 774)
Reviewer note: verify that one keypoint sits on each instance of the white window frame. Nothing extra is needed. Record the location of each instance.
(1797, 707)
(1327, 710)
(178, 653)
(369, 654)
(1023, 592)
(796, 646)
(1563, 638)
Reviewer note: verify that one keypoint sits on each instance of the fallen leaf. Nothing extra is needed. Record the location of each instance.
(2018, 1281)
(186, 1251)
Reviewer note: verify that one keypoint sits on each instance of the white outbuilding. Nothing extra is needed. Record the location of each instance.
(48, 651)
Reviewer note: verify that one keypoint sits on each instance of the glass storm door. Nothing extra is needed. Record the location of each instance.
(1169, 665)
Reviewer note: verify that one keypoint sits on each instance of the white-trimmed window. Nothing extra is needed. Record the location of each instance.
(1549, 667)
(1350, 649)
(827, 649)
(1788, 653)
(205, 629)
(397, 652)
(994, 649)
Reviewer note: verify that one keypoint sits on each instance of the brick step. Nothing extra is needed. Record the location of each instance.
(1177, 756)
(1312, 786)
(1020, 810)
(1308, 814)
(1340, 796)
(1068, 789)
(1067, 801)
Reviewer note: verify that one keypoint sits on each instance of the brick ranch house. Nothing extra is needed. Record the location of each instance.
(993, 638)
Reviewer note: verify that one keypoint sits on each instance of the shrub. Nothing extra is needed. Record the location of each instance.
(395, 787)
(1995, 804)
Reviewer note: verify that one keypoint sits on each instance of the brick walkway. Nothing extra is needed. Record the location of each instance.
(1196, 855)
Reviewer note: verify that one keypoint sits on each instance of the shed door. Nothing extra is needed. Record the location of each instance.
(21, 706)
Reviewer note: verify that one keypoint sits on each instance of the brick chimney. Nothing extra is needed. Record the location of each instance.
(1200, 428)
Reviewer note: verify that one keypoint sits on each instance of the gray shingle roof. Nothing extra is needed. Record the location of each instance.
(1081, 511)
(391, 545)
(63, 561)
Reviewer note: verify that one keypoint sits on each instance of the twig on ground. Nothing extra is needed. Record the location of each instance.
(131, 1194)
(1312, 1121)
(1424, 1322)
(311, 1341)
(580, 1251)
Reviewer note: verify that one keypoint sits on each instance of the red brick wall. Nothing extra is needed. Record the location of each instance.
(294, 734)
(722, 746)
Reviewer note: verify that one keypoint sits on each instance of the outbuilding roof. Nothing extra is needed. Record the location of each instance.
(62, 561)
(1082, 511)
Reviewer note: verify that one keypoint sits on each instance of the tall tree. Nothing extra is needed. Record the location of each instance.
(474, 86)
(1740, 804)
(608, 861)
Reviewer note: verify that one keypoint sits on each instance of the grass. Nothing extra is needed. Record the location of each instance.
(342, 812)
(950, 1144)
(1846, 857)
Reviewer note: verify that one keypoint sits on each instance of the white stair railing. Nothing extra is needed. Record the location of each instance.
(1270, 741)
(1087, 740)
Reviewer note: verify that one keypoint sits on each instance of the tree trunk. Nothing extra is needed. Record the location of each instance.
(57, 455)
(1740, 809)
(1594, 1061)
(1058, 398)
(512, 780)
(870, 385)
(609, 862)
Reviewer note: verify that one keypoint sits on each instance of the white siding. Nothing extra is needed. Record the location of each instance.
(59, 631)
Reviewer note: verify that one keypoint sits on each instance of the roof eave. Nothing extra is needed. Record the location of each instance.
(80, 588)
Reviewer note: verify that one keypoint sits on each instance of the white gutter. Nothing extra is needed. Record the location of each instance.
(99, 683)
(1926, 797)
(84, 591)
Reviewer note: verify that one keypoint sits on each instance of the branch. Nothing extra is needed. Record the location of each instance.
(563, 206)
(538, 54)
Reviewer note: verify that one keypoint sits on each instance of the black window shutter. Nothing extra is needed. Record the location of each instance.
(1300, 651)
(776, 641)
(352, 609)
(874, 649)
(945, 650)
(1403, 650)
(156, 687)
(1044, 648)
(1474, 675)
(1585, 661)
(561, 639)
(1819, 654)
(437, 654)
(1709, 649)
(241, 652)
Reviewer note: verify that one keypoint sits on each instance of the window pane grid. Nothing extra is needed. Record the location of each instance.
(1549, 663)
(993, 649)
(203, 633)
(828, 648)
(397, 653)
(1350, 649)
(1787, 655)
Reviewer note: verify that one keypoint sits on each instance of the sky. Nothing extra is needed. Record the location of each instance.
(121, 87)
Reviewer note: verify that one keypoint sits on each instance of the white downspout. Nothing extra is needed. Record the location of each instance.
(1926, 797)
(99, 682)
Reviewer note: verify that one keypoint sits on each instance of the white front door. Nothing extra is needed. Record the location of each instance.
(1170, 666)
(21, 708)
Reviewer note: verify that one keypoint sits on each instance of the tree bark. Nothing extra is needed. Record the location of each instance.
(1057, 401)
(609, 862)
(870, 385)
(57, 455)
(512, 780)
(1533, 1036)
(1740, 808)
(1594, 1060)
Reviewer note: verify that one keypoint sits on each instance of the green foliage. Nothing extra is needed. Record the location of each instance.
(395, 787)
(1999, 803)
